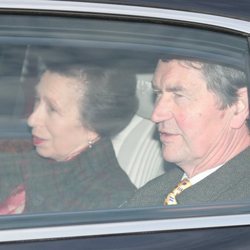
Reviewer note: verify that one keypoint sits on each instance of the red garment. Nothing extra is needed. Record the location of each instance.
(15, 202)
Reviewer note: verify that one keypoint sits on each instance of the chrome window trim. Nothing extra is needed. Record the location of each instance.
(118, 228)
(147, 12)
(134, 226)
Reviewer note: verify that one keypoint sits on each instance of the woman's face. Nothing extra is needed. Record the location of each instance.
(56, 125)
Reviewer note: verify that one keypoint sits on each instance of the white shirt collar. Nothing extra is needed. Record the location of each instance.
(201, 175)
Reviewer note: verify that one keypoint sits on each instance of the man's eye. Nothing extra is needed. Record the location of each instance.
(177, 95)
(157, 92)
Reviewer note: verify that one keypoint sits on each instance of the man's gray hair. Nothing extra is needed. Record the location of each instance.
(223, 81)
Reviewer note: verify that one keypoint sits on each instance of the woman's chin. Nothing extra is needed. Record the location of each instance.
(43, 153)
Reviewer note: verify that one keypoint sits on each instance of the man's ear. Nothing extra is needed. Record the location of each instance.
(240, 109)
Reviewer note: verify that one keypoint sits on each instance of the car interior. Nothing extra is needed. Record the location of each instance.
(137, 147)
(125, 36)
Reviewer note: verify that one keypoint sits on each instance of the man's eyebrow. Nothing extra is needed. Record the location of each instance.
(155, 88)
(174, 88)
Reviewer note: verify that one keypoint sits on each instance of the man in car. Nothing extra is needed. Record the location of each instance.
(201, 112)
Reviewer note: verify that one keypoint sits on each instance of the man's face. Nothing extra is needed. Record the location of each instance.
(192, 126)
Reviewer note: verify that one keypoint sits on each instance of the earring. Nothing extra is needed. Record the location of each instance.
(90, 143)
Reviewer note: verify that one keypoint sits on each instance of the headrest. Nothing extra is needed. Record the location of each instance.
(145, 95)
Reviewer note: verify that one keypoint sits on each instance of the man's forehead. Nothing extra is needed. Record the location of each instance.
(176, 75)
(164, 74)
(164, 69)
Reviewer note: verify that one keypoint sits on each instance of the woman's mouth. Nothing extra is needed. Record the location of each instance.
(37, 140)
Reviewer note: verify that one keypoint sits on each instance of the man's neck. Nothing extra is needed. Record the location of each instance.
(220, 153)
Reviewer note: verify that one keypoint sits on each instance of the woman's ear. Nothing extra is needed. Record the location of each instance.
(240, 109)
(92, 136)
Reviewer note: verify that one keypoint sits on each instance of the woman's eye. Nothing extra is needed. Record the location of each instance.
(36, 101)
(37, 98)
(51, 108)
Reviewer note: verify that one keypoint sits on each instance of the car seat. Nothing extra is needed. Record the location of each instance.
(137, 147)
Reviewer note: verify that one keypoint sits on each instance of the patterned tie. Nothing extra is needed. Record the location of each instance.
(171, 197)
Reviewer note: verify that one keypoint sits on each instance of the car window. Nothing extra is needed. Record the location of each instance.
(39, 57)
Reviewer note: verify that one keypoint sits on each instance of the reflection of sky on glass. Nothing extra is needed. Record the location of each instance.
(28, 44)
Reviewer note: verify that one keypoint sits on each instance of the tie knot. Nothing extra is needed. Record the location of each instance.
(171, 197)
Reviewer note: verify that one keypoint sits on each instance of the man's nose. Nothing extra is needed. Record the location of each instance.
(162, 111)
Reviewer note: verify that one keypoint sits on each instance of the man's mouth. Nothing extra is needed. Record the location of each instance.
(167, 137)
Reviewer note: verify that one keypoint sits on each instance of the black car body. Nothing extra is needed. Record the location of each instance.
(136, 32)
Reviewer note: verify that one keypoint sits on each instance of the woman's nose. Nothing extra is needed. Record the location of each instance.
(162, 111)
(31, 120)
(35, 117)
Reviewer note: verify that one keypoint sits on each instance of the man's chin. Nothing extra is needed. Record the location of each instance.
(170, 155)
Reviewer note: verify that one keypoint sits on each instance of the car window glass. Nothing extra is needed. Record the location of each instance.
(36, 160)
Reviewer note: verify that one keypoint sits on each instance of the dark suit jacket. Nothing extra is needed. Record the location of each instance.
(228, 183)
(93, 180)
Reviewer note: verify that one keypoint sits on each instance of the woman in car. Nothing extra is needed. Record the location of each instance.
(77, 111)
